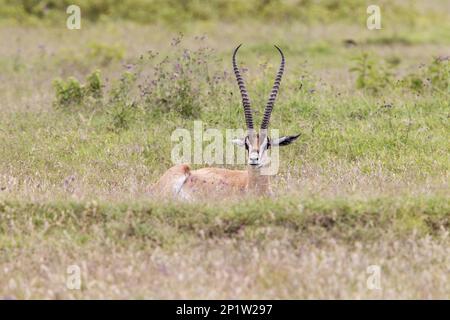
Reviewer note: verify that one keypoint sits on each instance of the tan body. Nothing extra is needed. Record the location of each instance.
(183, 183)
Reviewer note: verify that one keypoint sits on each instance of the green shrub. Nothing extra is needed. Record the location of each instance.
(94, 85)
(434, 77)
(122, 114)
(183, 83)
(121, 106)
(68, 93)
(372, 74)
(71, 93)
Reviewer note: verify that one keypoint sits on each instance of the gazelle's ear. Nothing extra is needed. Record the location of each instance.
(238, 142)
(283, 141)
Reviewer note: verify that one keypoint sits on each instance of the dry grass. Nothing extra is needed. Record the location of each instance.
(412, 268)
(336, 180)
(260, 249)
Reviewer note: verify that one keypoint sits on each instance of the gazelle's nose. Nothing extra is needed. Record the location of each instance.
(253, 158)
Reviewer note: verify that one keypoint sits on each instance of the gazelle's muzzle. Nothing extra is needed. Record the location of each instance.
(253, 158)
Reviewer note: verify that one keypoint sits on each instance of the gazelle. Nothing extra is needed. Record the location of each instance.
(182, 182)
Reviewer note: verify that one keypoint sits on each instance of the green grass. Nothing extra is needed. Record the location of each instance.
(366, 183)
(349, 220)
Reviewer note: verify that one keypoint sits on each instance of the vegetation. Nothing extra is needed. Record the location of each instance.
(139, 249)
(72, 93)
(87, 117)
(174, 12)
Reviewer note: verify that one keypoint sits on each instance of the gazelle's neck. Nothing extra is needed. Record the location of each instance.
(258, 184)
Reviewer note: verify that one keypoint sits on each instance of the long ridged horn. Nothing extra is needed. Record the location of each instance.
(244, 93)
(273, 93)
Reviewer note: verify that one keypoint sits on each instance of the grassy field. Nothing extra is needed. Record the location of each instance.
(85, 125)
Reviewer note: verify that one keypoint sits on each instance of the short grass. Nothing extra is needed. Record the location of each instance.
(366, 184)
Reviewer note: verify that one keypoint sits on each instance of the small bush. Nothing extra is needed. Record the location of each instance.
(435, 77)
(122, 114)
(68, 93)
(372, 75)
(94, 85)
(181, 84)
(71, 93)
(121, 107)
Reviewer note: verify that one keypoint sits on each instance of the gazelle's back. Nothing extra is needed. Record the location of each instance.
(217, 180)
(180, 182)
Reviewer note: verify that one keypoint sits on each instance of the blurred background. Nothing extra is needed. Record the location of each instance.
(177, 13)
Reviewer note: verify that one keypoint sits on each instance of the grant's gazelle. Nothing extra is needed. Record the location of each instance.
(182, 182)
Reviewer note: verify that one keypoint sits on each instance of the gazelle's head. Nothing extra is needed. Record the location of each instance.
(258, 143)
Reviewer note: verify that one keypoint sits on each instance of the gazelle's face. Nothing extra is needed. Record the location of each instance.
(256, 147)
(258, 144)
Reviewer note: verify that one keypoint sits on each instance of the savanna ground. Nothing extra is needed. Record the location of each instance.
(85, 125)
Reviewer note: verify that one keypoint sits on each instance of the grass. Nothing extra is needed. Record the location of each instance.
(365, 184)
(283, 248)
